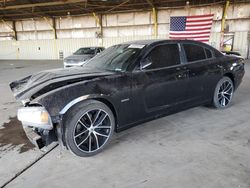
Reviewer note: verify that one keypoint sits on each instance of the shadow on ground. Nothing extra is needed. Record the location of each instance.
(13, 135)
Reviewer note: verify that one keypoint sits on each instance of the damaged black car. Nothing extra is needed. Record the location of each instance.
(125, 85)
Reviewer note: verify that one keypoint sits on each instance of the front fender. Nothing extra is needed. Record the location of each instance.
(58, 101)
(80, 99)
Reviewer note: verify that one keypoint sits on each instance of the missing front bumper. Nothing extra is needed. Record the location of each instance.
(34, 137)
(40, 138)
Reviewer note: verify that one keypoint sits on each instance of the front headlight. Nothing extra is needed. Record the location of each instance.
(35, 117)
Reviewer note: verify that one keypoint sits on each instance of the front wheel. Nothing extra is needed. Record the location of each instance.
(88, 128)
(223, 93)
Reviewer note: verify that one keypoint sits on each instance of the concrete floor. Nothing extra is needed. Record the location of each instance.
(199, 147)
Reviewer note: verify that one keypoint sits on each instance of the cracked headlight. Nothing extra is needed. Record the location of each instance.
(35, 117)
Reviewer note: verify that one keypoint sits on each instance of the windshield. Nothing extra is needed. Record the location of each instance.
(83, 51)
(114, 58)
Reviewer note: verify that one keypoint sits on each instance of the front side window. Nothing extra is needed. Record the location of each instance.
(114, 58)
(194, 52)
(164, 56)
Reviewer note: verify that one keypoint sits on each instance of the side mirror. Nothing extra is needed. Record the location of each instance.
(145, 63)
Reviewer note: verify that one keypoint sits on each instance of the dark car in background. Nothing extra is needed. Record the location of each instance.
(81, 56)
(123, 86)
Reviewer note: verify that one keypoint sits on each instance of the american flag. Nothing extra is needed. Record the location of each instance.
(191, 27)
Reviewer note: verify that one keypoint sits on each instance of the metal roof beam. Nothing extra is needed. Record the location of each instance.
(123, 3)
(151, 3)
(53, 3)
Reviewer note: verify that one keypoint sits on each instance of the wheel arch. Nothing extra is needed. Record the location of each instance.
(100, 97)
(231, 76)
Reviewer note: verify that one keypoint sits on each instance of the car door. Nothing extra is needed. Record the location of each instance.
(161, 81)
(203, 71)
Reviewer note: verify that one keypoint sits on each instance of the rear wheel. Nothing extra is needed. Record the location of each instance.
(223, 93)
(88, 128)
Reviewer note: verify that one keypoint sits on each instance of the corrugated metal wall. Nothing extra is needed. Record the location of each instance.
(35, 37)
(8, 50)
(241, 42)
(49, 49)
(36, 49)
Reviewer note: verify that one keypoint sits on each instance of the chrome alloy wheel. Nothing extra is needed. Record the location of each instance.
(225, 93)
(92, 130)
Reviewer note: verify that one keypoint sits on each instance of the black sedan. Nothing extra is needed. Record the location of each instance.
(125, 85)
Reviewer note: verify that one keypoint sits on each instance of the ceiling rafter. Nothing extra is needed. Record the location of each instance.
(23, 9)
(151, 3)
(42, 4)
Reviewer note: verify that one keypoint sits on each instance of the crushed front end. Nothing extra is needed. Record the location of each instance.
(37, 125)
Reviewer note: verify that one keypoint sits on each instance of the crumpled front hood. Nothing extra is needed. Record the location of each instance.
(52, 79)
(77, 58)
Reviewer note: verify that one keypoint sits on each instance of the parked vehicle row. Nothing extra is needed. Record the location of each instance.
(81, 56)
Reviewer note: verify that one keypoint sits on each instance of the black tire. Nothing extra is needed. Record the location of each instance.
(223, 93)
(88, 121)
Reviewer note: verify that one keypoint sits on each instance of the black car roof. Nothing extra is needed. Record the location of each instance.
(151, 41)
(92, 47)
(159, 41)
(143, 42)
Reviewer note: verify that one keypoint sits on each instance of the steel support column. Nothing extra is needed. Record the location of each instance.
(223, 21)
(155, 22)
(98, 20)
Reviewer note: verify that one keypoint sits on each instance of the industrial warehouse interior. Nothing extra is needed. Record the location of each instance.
(64, 63)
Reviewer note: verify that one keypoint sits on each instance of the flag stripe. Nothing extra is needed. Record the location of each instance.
(188, 36)
(191, 32)
(198, 19)
(195, 20)
(198, 28)
(198, 23)
(197, 36)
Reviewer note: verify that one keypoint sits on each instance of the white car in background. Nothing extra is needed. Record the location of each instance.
(81, 56)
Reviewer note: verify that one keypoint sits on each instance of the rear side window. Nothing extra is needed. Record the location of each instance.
(194, 52)
(164, 56)
(208, 53)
